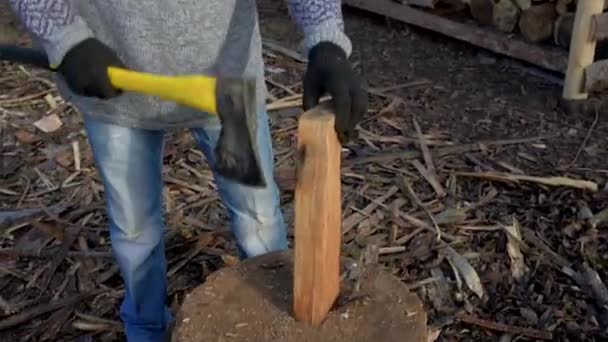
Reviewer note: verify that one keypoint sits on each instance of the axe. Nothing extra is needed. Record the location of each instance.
(231, 99)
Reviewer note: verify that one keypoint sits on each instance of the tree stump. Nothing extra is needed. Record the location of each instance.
(252, 301)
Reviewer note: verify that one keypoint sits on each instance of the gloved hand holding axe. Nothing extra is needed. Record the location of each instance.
(92, 69)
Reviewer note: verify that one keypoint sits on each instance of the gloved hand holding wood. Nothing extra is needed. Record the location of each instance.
(329, 71)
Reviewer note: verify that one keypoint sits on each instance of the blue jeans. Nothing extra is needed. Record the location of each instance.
(130, 164)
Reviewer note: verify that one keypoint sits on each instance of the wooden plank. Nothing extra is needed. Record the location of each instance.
(550, 58)
(318, 217)
(582, 49)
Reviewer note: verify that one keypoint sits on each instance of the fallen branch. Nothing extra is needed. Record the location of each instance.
(515, 330)
(436, 153)
(12, 217)
(551, 181)
(13, 252)
(34, 312)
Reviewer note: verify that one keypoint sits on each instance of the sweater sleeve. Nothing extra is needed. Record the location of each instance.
(320, 20)
(54, 23)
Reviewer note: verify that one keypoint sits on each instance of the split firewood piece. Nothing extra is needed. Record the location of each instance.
(502, 14)
(536, 22)
(317, 217)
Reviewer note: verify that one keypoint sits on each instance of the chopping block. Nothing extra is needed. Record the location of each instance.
(310, 292)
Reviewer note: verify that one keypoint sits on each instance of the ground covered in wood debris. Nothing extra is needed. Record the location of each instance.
(471, 185)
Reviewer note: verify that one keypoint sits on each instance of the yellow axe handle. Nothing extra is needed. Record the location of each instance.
(195, 91)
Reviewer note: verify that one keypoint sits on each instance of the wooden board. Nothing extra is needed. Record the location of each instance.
(317, 216)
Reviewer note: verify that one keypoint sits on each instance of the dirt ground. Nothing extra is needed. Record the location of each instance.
(478, 112)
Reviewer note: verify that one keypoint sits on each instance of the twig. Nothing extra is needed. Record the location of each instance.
(297, 102)
(76, 151)
(429, 177)
(351, 221)
(13, 252)
(414, 198)
(12, 217)
(72, 236)
(420, 283)
(529, 235)
(421, 224)
(431, 173)
(391, 107)
(5, 306)
(94, 323)
(401, 86)
(274, 46)
(404, 239)
(28, 315)
(551, 181)
(598, 218)
(584, 143)
(196, 250)
(279, 85)
(185, 184)
(529, 332)
(391, 250)
(437, 153)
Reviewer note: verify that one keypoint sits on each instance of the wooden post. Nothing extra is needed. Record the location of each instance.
(582, 49)
(318, 215)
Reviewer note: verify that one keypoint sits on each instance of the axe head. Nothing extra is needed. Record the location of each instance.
(236, 153)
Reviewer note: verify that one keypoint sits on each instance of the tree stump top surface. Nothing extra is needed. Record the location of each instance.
(252, 301)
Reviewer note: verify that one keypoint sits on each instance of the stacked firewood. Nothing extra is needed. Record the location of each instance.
(546, 21)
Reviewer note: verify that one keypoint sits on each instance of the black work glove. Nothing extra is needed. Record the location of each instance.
(329, 71)
(85, 69)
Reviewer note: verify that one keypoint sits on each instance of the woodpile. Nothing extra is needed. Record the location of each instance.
(535, 21)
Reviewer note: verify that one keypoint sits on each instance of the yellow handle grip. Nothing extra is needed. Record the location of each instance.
(190, 90)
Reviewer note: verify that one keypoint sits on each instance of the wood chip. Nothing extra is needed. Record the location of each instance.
(49, 123)
(467, 271)
(518, 267)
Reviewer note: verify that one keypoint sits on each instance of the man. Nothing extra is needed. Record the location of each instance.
(125, 131)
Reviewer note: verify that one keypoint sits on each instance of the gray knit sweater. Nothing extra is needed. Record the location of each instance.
(169, 37)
